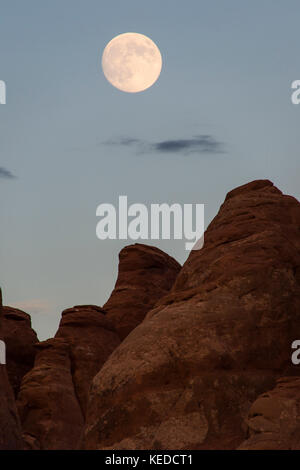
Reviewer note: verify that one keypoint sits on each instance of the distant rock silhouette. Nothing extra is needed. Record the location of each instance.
(145, 275)
(185, 377)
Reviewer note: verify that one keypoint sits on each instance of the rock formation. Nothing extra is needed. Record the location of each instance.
(145, 275)
(54, 394)
(49, 411)
(274, 418)
(205, 361)
(19, 338)
(92, 338)
(10, 431)
(186, 376)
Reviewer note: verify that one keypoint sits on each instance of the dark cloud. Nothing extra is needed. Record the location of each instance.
(196, 144)
(4, 173)
(201, 143)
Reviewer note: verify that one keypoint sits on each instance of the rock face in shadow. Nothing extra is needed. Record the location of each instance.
(274, 418)
(10, 431)
(186, 377)
(49, 411)
(53, 396)
(20, 339)
(145, 275)
(92, 338)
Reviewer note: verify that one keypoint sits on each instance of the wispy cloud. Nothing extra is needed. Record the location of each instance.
(32, 306)
(196, 144)
(6, 174)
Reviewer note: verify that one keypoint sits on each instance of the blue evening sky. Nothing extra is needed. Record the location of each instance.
(227, 72)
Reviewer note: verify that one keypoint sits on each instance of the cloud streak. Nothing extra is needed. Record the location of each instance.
(197, 144)
(32, 306)
(201, 143)
(6, 174)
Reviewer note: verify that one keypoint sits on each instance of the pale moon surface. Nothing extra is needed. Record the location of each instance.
(131, 62)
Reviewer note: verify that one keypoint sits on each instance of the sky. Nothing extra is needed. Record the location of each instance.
(220, 115)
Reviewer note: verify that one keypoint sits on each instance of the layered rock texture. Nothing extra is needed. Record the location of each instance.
(145, 275)
(186, 377)
(190, 358)
(10, 430)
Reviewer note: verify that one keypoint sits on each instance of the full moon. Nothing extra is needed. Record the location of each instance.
(131, 62)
